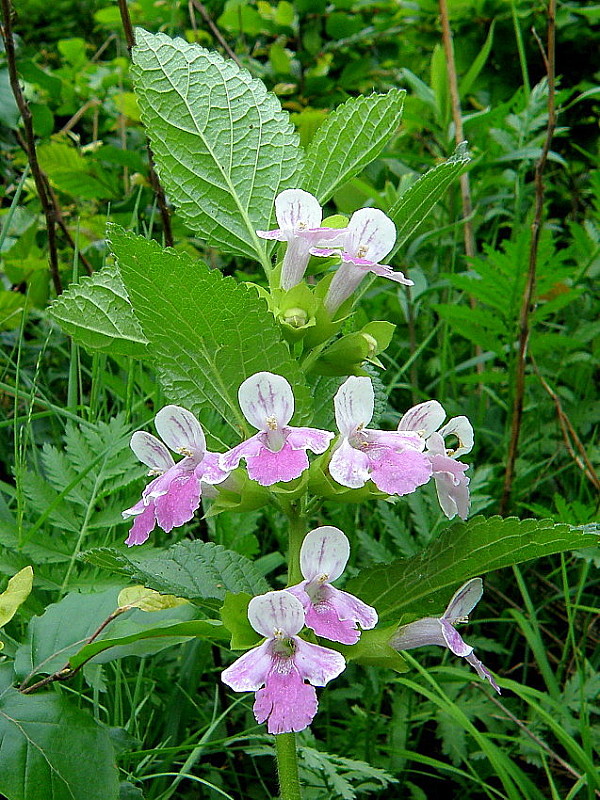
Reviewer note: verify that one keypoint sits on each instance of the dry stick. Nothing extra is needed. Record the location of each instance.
(58, 212)
(216, 32)
(30, 151)
(524, 327)
(540, 742)
(459, 136)
(154, 181)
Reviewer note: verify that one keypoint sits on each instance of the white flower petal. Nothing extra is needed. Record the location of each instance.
(296, 210)
(151, 451)
(354, 404)
(464, 600)
(266, 401)
(425, 418)
(371, 234)
(463, 430)
(325, 552)
(276, 614)
(180, 431)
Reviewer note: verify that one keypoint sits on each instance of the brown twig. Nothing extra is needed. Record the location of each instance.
(66, 673)
(215, 31)
(29, 144)
(159, 193)
(459, 136)
(524, 326)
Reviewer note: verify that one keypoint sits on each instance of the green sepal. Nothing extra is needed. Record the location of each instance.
(373, 649)
(241, 494)
(295, 311)
(346, 355)
(321, 484)
(234, 614)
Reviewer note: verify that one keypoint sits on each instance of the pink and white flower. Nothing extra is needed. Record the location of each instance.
(441, 630)
(451, 483)
(369, 237)
(278, 451)
(171, 498)
(331, 613)
(393, 460)
(299, 217)
(285, 665)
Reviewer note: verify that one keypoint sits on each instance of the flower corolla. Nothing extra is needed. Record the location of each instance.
(441, 630)
(391, 459)
(171, 498)
(284, 669)
(278, 451)
(330, 612)
(451, 483)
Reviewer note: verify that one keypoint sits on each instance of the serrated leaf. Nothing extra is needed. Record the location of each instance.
(350, 138)
(207, 333)
(475, 324)
(410, 210)
(201, 571)
(97, 313)
(47, 748)
(422, 585)
(223, 146)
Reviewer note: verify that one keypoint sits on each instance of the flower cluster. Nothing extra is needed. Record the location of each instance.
(285, 668)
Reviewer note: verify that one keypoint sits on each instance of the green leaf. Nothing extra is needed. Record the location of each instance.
(350, 138)
(201, 571)
(475, 324)
(98, 315)
(52, 749)
(15, 594)
(234, 613)
(422, 585)
(478, 64)
(207, 333)
(9, 110)
(410, 210)
(223, 146)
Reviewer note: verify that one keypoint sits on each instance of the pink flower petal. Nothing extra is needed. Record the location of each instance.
(453, 639)
(464, 600)
(179, 503)
(247, 449)
(324, 551)
(398, 473)
(180, 431)
(425, 418)
(151, 451)
(335, 615)
(278, 234)
(250, 671)
(268, 468)
(354, 404)
(266, 400)
(143, 524)
(286, 703)
(318, 665)
(209, 471)
(452, 486)
(312, 439)
(276, 614)
(482, 671)
(349, 466)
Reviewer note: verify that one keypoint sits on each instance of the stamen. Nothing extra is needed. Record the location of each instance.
(271, 423)
(362, 251)
(461, 620)
(185, 451)
(323, 578)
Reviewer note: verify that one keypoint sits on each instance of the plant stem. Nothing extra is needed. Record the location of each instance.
(297, 532)
(287, 766)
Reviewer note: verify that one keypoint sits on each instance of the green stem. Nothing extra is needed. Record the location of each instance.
(287, 766)
(296, 534)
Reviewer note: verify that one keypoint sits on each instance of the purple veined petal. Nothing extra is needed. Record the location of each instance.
(209, 471)
(464, 600)
(143, 524)
(286, 703)
(324, 554)
(267, 401)
(326, 237)
(250, 671)
(297, 210)
(276, 614)
(482, 671)
(161, 485)
(349, 466)
(424, 418)
(452, 486)
(312, 439)
(335, 615)
(180, 431)
(267, 467)
(318, 665)
(371, 234)
(398, 473)
(354, 404)
(279, 235)
(178, 505)
(247, 449)
(454, 640)
(463, 430)
(396, 440)
(385, 271)
(151, 451)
